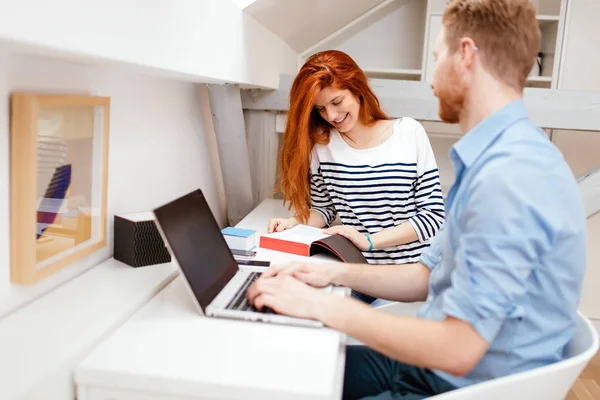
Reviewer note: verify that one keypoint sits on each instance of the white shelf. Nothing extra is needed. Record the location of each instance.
(555, 18)
(539, 79)
(544, 20)
(548, 7)
(394, 73)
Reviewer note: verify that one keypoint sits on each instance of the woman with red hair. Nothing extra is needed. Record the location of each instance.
(342, 156)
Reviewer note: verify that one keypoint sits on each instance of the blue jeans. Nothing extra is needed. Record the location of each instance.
(371, 375)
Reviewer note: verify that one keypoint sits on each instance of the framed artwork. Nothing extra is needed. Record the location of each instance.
(58, 181)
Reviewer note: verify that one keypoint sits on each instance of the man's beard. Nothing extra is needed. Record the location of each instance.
(451, 97)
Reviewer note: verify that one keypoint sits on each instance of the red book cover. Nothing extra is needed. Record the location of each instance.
(296, 240)
(306, 241)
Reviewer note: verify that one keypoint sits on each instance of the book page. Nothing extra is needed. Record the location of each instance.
(300, 233)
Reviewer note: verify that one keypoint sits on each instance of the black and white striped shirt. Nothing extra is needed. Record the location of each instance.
(381, 187)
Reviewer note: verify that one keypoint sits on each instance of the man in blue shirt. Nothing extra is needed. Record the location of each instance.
(502, 280)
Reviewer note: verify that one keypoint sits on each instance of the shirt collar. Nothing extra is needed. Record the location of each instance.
(480, 137)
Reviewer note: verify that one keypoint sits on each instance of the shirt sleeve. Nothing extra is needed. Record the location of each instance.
(508, 223)
(319, 196)
(428, 191)
(432, 255)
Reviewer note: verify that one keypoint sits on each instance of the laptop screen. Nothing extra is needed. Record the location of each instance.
(198, 245)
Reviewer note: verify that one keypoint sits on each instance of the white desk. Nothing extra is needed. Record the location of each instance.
(168, 351)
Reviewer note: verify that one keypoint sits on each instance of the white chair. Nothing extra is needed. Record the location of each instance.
(551, 382)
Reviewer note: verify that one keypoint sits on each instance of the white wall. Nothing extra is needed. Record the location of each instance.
(162, 145)
(199, 40)
(394, 41)
(161, 139)
(304, 23)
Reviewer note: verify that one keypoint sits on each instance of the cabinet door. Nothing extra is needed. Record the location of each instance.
(435, 26)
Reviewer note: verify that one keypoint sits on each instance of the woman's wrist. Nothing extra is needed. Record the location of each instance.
(292, 222)
(376, 240)
(396, 236)
(370, 240)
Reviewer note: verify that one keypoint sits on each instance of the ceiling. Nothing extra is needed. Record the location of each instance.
(303, 23)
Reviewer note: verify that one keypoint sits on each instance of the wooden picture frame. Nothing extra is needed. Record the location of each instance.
(58, 181)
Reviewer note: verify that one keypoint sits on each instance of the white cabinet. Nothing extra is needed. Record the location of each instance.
(551, 27)
(580, 65)
(550, 18)
(396, 40)
(549, 7)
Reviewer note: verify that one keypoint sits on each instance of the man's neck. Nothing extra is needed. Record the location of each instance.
(483, 101)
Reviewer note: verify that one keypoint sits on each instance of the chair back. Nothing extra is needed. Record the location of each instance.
(550, 382)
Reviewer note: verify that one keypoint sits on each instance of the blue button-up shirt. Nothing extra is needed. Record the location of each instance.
(511, 256)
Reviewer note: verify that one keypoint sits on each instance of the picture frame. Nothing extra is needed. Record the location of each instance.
(58, 181)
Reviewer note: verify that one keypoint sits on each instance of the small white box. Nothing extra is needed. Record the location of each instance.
(240, 239)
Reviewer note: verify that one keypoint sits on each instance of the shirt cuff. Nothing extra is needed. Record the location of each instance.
(428, 258)
(457, 306)
(421, 230)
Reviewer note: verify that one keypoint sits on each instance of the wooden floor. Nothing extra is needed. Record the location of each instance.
(587, 386)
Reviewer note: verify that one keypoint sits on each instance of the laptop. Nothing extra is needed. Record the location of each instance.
(216, 282)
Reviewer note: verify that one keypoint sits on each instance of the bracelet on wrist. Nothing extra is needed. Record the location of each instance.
(370, 242)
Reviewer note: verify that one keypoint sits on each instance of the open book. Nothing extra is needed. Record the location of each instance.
(306, 241)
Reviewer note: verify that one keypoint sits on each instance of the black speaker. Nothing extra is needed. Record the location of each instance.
(137, 241)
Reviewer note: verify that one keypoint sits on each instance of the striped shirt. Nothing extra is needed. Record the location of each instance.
(380, 188)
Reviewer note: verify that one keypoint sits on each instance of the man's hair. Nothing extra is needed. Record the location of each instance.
(505, 32)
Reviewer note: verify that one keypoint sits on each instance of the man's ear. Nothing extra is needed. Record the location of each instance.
(468, 52)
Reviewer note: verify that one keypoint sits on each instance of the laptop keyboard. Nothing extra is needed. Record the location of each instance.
(240, 301)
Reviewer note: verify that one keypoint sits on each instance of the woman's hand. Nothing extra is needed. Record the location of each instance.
(351, 234)
(281, 224)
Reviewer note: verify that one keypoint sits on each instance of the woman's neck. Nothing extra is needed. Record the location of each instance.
(364, 137)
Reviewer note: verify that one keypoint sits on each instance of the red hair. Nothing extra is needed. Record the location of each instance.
(305, 127)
